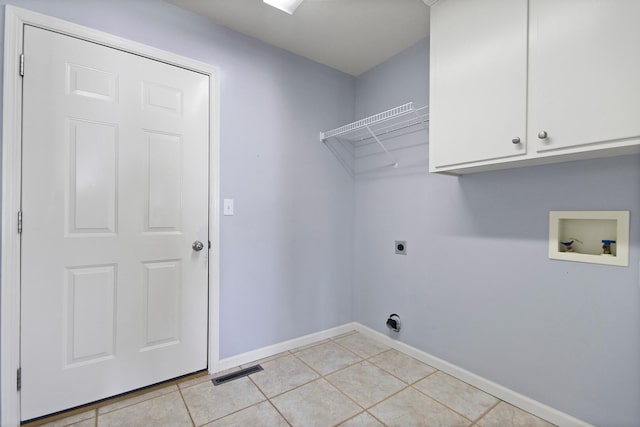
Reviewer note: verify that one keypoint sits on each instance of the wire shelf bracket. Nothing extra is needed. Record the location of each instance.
(355, 141)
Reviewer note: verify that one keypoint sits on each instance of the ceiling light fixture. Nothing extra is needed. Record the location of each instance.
(288, 6)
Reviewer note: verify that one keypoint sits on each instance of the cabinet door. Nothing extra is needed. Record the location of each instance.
(584, 73)
(478, 81)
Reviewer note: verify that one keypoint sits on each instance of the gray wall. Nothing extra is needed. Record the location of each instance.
(477, 288)
(285, 271)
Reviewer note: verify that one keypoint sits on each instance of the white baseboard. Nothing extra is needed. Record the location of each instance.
(271, 350)
(516, 399)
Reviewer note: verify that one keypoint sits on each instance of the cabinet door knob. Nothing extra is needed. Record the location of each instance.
(542, 134)
(516, 140)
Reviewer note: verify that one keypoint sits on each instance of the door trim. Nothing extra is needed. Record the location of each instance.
(15, 19)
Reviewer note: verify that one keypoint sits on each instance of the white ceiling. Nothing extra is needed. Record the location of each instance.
(352, 36)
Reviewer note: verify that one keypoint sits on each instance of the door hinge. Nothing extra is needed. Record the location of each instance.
(22, 64)
(19, 379)
(19, 222)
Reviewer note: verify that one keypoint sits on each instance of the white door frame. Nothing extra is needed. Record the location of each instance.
(15, 19)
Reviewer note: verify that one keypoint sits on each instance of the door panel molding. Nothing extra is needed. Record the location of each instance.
(15, 20)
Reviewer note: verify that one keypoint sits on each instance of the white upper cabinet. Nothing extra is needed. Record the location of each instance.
(517, 82)
(478, 79)
(584, 72)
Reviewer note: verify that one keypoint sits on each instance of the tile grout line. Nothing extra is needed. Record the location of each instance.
(329, 373)
(344, 368)
(444, 404)
(351, 418)
(366, 408)
(388, 397)
(269, 400)
(476, 388)
(475, 423)
(319, 375)
(346, 348)
(278, 411)
(344, 394)
(233, 412)
(294, 388)
(376, 418)
(352, 351)
(397, 377)
(184, 402)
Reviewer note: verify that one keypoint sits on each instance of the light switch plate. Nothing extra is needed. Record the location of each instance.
(228, 207)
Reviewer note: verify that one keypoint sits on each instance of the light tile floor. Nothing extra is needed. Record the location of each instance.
(351, 381)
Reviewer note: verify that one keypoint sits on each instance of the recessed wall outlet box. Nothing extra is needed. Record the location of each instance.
(598, 237)
(401, 247)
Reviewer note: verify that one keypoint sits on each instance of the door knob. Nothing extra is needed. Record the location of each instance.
(542, 134)
(516, 140)
(197, 246)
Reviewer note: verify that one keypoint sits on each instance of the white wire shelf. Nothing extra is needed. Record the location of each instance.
(382, 141)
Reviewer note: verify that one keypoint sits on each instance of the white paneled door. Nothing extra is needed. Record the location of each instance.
(114, 200)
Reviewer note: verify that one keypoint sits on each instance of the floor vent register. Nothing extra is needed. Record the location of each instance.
(237, 374)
